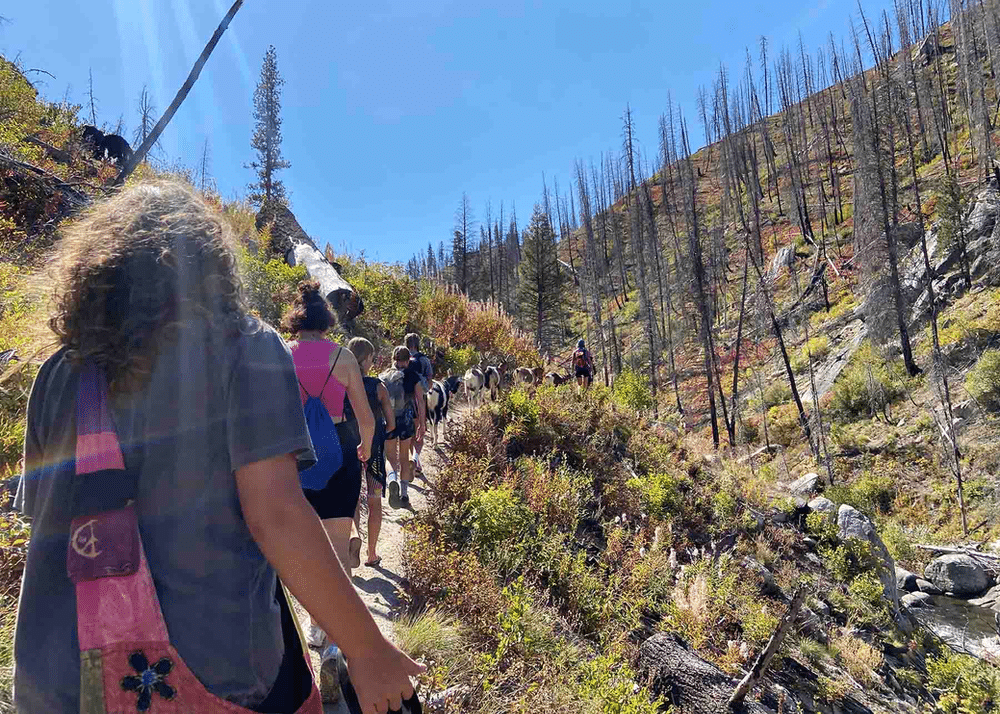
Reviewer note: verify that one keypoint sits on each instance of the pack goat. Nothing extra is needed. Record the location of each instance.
(475, 383)
(438, 399)
(554, 379)
(524, 377)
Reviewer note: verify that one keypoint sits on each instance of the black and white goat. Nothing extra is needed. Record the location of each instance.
(438, 399)
(554, 379)
(475, 383)
(494, 380)
(524, 377)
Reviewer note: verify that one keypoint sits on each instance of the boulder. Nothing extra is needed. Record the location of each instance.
(912, 600)
(983, 215)
(905, 580)
(991, 599)
(821, 504)
(852, 523)
(957, 574)
(930, 588)
(804, 485)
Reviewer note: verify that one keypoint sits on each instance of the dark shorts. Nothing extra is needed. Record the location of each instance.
(405, 428)
(583, 372)
(340, 496)
(375, 473)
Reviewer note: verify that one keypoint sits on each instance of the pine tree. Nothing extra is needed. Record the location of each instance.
(267, 133)
(460, 248)
(542, 286)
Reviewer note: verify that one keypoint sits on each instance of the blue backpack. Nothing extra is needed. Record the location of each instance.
(326, 442)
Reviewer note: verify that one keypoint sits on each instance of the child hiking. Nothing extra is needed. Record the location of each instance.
(385, 421)
(423, 365)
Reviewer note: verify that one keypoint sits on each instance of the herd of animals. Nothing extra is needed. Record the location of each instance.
(477, 382)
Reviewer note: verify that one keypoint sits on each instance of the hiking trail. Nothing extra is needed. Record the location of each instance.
(381, 587)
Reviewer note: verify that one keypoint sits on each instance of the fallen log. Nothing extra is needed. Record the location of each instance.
(764, 658)
(688, 682)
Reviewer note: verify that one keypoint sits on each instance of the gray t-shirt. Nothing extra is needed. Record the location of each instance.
(204, 413)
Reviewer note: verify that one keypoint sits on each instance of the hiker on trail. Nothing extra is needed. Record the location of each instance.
(160, 469)
(385, 420)
(329, 372)
(583, 365)
(402, 381)
(423, 365)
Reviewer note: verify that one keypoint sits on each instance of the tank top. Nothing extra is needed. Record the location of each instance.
(371, 391)
(312, 365)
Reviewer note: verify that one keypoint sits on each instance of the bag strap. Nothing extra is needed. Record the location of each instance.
(100, 481)
(327, 380)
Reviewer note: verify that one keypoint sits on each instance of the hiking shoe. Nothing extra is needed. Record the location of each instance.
(393, 490)
(329, 675)
(316, 637)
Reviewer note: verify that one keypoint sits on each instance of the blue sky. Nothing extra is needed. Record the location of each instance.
(392, 110)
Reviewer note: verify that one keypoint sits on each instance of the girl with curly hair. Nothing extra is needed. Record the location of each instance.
(204, 402)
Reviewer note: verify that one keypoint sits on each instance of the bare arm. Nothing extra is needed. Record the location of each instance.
(418, 393)
(386, 404)
(291, 537)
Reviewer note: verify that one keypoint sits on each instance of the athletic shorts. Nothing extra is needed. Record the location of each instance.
(339, 497)
(583, 372)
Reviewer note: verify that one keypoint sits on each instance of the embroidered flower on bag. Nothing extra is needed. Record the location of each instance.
(150, 679)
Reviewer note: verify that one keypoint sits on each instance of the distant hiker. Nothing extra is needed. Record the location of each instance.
(583, 364)
(385, 421)
(327, 371)
(160, 469)
(426, 369)
(403, 382)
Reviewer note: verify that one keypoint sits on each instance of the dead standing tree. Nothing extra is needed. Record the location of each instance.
(182, 93)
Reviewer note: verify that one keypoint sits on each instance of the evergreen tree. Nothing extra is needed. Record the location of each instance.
(267, 133)
(460, 249)
(541, 289)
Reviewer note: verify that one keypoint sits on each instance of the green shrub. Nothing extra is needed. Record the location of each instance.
(867, 599)
(661, 493)
(776, 393)
(983, 380)
(270, 284)
(868, 385)
(818, 347)
(873, 492)
(783, 424)
(963, 684)
(631, 390)
(500, 526)
(519, 411)
(610, 682)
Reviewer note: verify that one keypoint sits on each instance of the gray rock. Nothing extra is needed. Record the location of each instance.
(983, 215)
(912, 600)
(819, 607)
(804, 485)
(905, 580)
(767, 583)
(811, 624)
(990, 599)
(958, 574)
(928, 587)
(821, 504)
(852, 523)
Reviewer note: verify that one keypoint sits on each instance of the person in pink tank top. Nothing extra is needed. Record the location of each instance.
(329, 371)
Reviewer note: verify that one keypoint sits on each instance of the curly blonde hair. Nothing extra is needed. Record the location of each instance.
(134, 269)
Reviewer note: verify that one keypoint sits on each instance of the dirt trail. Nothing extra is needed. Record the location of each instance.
(381, 587)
